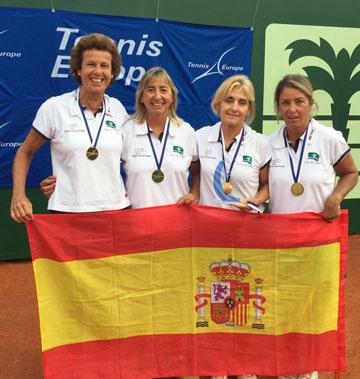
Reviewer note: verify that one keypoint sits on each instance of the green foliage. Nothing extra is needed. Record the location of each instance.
(303, 47)
(340, 82)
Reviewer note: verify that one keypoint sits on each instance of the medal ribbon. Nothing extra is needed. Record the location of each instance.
(296, 177)
(159, 163)
(228, 173)
(87, 125)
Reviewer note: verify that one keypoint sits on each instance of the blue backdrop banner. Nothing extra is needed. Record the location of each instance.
(35, 50)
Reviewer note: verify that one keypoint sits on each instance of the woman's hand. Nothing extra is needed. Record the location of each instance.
(243, 204)
(190, 198)
(332, 208)
(47, 186)
(21, 209)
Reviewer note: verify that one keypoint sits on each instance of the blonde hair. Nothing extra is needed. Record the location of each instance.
(140, 110)
(228, 85)
(300, 83)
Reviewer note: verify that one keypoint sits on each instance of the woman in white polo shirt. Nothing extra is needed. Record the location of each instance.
(84, 130)
(234, 158)
(159, 148)
(306, 157)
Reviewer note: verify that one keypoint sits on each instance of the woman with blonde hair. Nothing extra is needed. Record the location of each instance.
(159, 148)
(234, 158)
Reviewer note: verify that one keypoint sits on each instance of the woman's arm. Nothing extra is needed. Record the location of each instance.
(21, 207)
(193, 196)
(349, 176)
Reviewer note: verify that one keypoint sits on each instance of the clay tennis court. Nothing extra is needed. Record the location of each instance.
(20, 350)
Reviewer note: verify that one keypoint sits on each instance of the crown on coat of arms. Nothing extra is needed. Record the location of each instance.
(229, 270)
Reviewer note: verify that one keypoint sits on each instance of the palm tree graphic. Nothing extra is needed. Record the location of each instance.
(341, 83)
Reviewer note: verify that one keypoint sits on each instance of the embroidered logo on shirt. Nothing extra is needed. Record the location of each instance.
(110, 124)
(178, 149)
(247, 159)
(208, 153)
(140, 152)
(313, 156)
(276, 162)
(74, 128)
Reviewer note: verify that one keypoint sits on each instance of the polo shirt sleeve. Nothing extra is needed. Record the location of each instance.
(339, 147)
(265, 151)
(120, 111)
(43, 122)
(126, 136)
(200, 137)
(193, 146)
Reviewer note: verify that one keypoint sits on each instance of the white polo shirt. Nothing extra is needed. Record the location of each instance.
(324, 148)
(139, 164)
(253, 155)
(83, 185)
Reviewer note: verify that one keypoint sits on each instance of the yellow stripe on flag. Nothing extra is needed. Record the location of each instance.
(153, 293)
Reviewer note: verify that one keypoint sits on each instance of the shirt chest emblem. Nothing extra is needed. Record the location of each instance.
(247, 160)
(277, 162)
(209, 154)
(178, 150)
(313, 157)
(140, 152)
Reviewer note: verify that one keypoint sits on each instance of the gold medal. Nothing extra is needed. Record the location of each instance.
(297, 189)
(157, 176)
(227, 187)
(92, 153)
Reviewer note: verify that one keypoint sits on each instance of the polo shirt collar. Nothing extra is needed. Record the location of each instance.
(213, 136)
(279, 140)
(142, 129)
(74, 106)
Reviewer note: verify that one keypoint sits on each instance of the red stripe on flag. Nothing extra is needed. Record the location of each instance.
(104, 234)
(342, 276)
(186, 355)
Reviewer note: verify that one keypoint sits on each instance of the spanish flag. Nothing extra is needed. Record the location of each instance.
(189, 290)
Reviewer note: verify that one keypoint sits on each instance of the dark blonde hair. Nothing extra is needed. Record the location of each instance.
(99, 42)
(140, 110)
(298, 82)
(228, 85)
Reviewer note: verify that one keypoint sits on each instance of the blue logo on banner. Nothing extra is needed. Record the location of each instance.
(218, 67)
(35, 66)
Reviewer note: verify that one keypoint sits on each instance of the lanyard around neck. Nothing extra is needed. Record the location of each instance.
(297, 174)
(159, 161)
(87, 125)
(228, 173)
